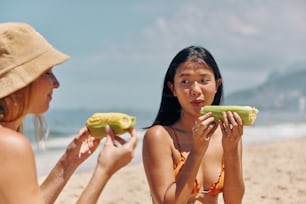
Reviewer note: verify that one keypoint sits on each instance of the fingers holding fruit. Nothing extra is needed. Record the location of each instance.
(204, 127)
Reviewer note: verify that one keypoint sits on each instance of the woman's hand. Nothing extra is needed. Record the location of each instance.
(117, 152)
(82, 146)
(232, 131)
(202, 130)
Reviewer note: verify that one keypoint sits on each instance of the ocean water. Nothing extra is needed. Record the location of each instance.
(64, 124)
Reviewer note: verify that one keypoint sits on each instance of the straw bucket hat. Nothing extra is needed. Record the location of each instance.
(24, 56)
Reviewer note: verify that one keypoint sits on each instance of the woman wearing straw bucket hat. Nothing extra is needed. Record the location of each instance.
(26, 86)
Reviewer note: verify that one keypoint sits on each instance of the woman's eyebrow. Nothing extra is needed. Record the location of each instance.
(185, 74)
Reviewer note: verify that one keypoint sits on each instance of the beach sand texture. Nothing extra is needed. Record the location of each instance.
(274, 174)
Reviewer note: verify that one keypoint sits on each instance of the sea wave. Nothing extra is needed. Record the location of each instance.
(55, 147)
(268, 127)
(269, 133)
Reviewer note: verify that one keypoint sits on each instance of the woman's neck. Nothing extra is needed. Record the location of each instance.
(185, 123)
(12, 126)
(15, 125)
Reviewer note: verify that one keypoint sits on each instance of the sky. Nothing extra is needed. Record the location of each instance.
(120, 50)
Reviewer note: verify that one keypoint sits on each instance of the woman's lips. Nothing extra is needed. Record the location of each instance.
(198, 103)
(50, 96)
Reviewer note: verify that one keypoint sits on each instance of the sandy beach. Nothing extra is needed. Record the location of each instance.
(274, 172)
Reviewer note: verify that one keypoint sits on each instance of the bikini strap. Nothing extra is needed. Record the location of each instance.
(177, 141)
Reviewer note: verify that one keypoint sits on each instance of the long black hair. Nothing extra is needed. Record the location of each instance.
(169, 111)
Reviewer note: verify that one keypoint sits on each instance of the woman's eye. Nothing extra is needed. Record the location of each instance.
(204, 81)
(49, 73)
(185, 82)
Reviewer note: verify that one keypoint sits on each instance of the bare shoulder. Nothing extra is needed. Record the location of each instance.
(18, 177)
(15, 149)
(156, 132)
(12, 141)
(157, 136)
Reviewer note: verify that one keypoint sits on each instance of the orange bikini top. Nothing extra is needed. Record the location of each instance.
(215, 188)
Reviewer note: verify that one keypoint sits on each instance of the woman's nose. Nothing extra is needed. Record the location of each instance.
(56, 83)
(195, 89)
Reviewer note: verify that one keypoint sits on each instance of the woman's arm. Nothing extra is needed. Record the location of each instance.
(82, 146)
(110, 160)
(233, 189)
(158, 164)
(18, 177)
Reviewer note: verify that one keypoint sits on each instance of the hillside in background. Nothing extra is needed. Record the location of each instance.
(284, 91)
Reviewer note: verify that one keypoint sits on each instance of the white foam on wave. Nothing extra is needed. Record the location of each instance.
(257, 134)
(55, 148)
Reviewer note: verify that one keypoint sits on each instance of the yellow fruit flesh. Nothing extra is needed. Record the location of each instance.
(120, 123)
